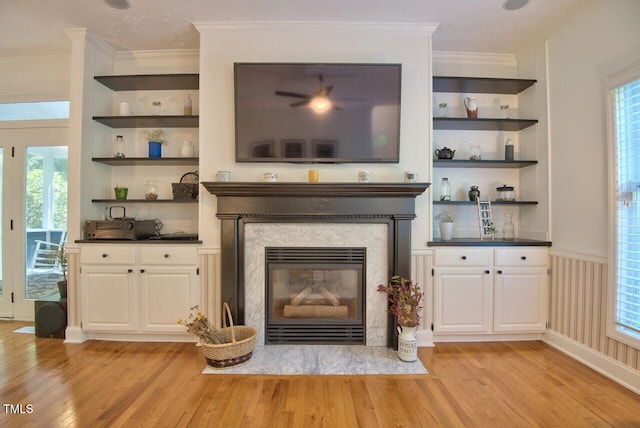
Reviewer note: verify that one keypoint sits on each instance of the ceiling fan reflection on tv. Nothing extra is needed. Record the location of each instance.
(318, 101)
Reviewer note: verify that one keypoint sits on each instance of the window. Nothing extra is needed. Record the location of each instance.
(35, 110)
(624, 131)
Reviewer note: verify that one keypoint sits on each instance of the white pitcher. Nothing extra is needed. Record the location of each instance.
(187, 150)
(407, 344)
(471, 104)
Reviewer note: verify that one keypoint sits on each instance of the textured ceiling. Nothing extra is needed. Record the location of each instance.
(30, 27)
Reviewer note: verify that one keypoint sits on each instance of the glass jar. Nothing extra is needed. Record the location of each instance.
(156, 108)
(504, 111)
(151, 190)
(445, 190)
(188, 106)
(443, 110)
(476, 152)
(506, 193)
(119, 147)
(508, 229)
(508, 150)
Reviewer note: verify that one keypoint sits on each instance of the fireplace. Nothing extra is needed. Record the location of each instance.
(315, 295)
(242, 207)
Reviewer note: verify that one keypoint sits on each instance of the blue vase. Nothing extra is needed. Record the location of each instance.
(155, 149)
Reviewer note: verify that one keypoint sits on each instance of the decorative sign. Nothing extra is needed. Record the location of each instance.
(485, 220)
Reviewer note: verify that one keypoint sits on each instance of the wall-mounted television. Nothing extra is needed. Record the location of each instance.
(317, 113)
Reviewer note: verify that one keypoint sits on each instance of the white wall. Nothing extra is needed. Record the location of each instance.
(222, 44)
(581, 53)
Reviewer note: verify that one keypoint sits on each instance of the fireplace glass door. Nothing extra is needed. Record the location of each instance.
(315, 298)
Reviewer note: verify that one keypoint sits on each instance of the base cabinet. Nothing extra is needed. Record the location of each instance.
(462, 300)
(109, 298)
(489, 290)
(144, 289)
(520, 299)
(167, 294)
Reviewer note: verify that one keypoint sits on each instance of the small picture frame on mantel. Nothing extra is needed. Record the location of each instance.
(485, 219)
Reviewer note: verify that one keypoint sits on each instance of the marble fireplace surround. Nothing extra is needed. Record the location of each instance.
(243, 203)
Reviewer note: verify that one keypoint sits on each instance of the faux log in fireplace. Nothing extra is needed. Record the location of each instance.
(239, 203)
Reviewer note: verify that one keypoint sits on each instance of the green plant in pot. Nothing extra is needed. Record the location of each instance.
(156, 138)
(446, 220)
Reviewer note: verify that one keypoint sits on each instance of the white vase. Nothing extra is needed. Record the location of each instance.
(407, 344)
(446, 231)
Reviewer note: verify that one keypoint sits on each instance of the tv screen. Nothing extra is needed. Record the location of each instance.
(317, 113)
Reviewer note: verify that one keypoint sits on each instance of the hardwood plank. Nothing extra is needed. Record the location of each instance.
(118, 384)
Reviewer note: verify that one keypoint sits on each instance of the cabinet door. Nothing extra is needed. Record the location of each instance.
(109, 298)
(521, 299)
(462, 301)
(168, 293)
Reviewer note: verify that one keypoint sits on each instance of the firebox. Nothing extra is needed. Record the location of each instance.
(315, 295)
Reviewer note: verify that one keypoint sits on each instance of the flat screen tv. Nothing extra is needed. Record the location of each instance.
(317, 113)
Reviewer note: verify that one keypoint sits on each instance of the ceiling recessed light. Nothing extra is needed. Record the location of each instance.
(514, 4)
(118, 4)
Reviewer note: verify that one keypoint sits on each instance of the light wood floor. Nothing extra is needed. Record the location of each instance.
(112, 384)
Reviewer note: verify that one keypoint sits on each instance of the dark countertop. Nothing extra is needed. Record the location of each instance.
(476, 242)
(139, 241)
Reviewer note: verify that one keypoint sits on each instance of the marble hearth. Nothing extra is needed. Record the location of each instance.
(255, 215)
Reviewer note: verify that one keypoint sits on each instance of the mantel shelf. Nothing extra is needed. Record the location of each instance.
(175, 121)
(148, 82)
(147, 161)
(444, 163)
(482, 124)
(333, 190)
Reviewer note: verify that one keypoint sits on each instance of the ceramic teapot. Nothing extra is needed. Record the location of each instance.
(445, 153)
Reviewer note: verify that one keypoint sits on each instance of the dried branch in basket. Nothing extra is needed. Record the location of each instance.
(198, 325)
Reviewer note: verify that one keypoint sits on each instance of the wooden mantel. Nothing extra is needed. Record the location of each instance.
(240, 203)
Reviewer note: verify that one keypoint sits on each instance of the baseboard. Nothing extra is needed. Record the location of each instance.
(424, 338)
(74, 335)
(606, 366)
(488, 337)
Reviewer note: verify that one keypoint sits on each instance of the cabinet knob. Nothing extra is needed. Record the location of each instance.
(166, 256)
(524, 257)
(464, 257)
(487, 271)
(105, 255)
(130, 270)
(499, 272)
(141, 270)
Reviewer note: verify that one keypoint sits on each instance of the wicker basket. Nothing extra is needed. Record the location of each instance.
(185, 190)
(237, 351)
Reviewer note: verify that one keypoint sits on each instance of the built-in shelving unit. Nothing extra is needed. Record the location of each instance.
(480, 85)
(144, 82)
(440, 163)
(481, 124)
(514, 203)
(146, 201)
(147, 161)
(166, 121)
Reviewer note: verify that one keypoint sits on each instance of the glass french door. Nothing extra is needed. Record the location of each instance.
(34, 217)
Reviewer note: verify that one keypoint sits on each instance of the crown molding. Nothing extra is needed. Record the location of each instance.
(315, 26)
(475, 58)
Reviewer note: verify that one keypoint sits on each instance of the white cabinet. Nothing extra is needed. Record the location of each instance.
(137, 289)
(521, 290)
(109, 289)
(490, 290)
(462, 300)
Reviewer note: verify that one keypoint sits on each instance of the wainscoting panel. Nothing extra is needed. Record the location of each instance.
(578, 305)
